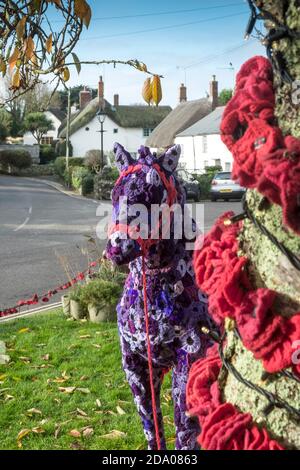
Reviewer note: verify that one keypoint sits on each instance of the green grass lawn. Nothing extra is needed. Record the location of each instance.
(64, 388)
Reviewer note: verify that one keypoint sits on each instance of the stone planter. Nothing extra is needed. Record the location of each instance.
(102, 313)
(76, 310)
(65, 300)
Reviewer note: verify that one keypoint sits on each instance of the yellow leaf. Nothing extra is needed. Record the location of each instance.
(49, 44)
(21, 436)
(66, 74)
(147, 91)
(20, 28)
(38, 430)
(24, 330)
(16, 79)
(156, 90)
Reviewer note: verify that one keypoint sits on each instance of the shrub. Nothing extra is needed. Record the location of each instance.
(93, 160)
(78, 174)
(60, 164)
(61, 147)
(206, 179)
(100, 292)
(18, 159)
(87, 184)
(47, 154)
(110, 173)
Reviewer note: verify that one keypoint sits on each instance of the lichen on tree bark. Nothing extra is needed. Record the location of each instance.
(268, 267)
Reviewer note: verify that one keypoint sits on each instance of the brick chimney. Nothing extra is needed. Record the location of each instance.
(101, 92)
(85, 96)
(182, 93)
(214, 92)
(116, 101)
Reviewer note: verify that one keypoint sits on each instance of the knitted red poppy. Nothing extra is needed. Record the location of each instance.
(263, 158)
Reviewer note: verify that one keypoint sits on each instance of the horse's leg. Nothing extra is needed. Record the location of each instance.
(187, 429)
(137, 374)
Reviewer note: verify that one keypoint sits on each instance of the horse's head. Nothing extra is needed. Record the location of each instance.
(142, 183)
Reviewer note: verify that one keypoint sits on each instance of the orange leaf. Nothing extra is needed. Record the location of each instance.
(49, 44)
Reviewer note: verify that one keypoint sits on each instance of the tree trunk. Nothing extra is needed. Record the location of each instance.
(268, 267)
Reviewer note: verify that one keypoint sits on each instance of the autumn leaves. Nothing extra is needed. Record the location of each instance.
(152, 92)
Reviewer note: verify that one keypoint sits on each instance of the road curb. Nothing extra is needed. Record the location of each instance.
(59, 187)
(33, 311)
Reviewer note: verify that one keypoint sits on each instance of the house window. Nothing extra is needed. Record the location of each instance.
(217, 162)
(147, 131)
(47, 140)
(205, 163)
(227, 166)
(116, 131)
(204, 144)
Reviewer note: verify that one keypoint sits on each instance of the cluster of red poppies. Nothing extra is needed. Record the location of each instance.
(223, 427)
(221, 274)
(35, 298)
(264, 158)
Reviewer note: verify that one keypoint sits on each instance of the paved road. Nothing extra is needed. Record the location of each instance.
(40, 226)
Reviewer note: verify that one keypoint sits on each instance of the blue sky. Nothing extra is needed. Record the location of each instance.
(179, 41)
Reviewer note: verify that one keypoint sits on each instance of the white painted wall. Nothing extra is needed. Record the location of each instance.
(84, 140)
(194, 155)
(28, 138)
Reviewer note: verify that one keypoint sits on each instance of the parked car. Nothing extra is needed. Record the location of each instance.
(223, 187)
(190, 185)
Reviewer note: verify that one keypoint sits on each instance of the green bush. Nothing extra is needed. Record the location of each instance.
(17, 159)
(61, 147)
(78, 175)
(110, 173)
(87, 184)
(206, 179)
(47, 154)
(60, 164)
(100, 292)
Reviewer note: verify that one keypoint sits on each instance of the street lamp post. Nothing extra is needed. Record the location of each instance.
(101, 118)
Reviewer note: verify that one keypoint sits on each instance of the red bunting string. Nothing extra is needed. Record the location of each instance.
(45, 297)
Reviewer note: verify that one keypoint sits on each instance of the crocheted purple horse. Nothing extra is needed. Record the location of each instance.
(176, 306)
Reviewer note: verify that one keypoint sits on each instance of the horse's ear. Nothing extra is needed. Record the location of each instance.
(169, 159)
(123, 158)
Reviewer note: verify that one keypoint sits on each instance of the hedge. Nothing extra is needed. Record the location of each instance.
(60, 164)
(47, 154)
(18, 159)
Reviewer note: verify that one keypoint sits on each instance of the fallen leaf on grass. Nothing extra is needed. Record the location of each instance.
(57, 431)
(83, 377)
(38, 430)
(97, 346)
(75, 433)
(24, 330)
(86, 391)
(9, 397)
(68, 390)
(114, 434)
(26, 360)
(81, 412)
(46, 357)
(23, 433)
(120, 410)
(87, 432)
(98, 403)
(33, 411)
(85, 337)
